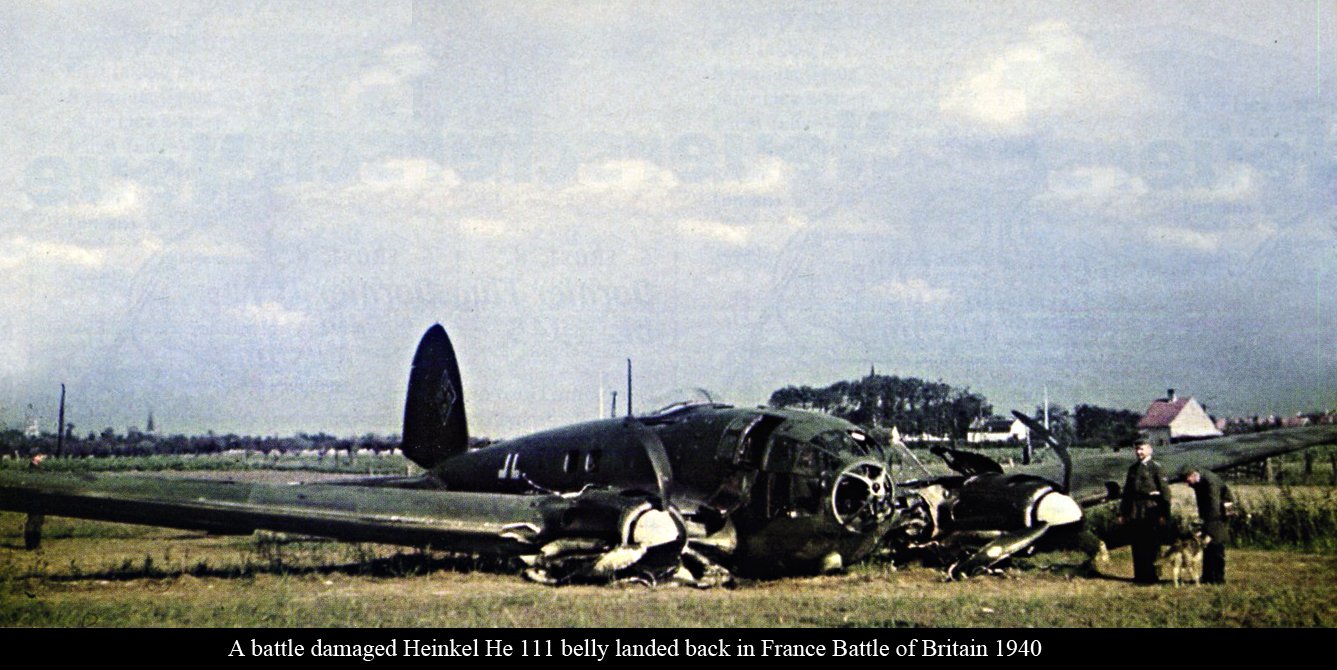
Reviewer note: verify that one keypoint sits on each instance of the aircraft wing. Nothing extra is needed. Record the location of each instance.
(1092, 475)
(453, 520)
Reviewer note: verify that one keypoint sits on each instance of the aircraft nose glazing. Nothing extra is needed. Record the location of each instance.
(861, 496)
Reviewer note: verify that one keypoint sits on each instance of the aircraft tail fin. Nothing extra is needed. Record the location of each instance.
(434, 424)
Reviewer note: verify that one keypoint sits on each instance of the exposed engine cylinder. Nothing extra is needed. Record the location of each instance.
(861, 496)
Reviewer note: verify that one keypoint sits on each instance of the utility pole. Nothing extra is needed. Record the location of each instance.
(60, 424)
(1046, 409)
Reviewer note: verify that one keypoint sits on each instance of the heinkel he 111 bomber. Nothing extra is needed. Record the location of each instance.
(696, 492)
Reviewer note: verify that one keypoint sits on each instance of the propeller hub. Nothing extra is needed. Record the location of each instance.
(861, 496)
(1057, 509)
(654, 527)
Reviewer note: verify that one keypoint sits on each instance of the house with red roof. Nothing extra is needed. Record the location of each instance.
(1174, 419)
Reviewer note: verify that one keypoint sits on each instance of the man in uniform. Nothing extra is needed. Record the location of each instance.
(32, 526)
(1214, 504)
(1144, 512)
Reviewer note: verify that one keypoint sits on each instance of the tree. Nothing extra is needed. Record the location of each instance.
(912, 405)
(1060, 423)
(1100, 426)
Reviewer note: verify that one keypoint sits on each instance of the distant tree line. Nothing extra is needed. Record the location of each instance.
(1091, 426)
(1098, 426)
(108, 443)
(918, 407)
(913, 406)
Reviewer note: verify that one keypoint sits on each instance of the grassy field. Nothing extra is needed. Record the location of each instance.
(99, 574)
(1271, 516)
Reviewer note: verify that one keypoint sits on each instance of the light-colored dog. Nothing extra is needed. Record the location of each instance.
(1184, 557)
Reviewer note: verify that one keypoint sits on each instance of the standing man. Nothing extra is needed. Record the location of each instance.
(32, 526)
(1214, 504)
(1144, 512)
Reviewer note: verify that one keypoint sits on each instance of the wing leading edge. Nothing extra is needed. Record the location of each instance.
(452, 520)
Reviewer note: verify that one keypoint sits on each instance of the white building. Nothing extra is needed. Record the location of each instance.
(997, 429)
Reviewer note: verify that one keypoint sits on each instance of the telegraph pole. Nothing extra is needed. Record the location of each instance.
(60, 424)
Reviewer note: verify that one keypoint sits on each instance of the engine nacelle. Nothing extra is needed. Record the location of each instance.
(1011, 502)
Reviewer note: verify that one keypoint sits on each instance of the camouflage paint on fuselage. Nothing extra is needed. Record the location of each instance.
(770, 472)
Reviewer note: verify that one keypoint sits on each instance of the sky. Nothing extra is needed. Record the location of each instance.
(241, 216)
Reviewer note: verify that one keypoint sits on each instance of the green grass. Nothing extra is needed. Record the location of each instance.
(1287, 517)
(1301, 596)
(1290, 468)
(110, 575)
(1271, 516)
(101, 574)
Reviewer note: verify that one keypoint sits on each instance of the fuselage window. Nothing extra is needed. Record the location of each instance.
(592, 461)
(571, 461)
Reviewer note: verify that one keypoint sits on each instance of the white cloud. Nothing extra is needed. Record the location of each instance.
(574, 17)
(1112, 187)
(20, 251)
(24, 252)
(398, 65)
(1054, 72)
(206, 248)
(420, 181)
(1185, 238)
(915, 291)
(120, 200)
(1228, 237)
(146, 247)
(287, 19)
(486, 227)
(1236, 182)
(626, 177)
(15, 201)
(270, 314)
(13, 356)
(1109, 199)
(1095, 185)
(985, 97)
(766, 176)
(405, 61)
(714, 231)
(405, 174)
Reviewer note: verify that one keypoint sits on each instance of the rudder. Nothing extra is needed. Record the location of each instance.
(434, 423)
